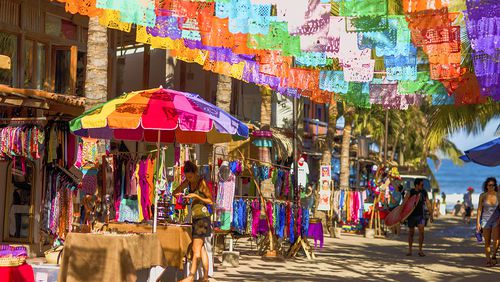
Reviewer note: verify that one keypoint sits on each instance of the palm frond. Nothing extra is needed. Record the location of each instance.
(446, 120)
(450, 150)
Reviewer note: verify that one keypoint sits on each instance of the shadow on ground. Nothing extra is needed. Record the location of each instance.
(452, 255)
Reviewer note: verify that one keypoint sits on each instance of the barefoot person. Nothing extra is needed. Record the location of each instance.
(468, 205)
(200, 195)
(488, 216)
(417, 217)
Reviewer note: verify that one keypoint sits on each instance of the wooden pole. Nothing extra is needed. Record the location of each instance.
(155, 193)
(270, 232)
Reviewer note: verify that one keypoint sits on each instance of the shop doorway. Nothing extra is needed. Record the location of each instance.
(19, 202)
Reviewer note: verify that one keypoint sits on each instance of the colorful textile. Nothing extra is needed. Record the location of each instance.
(315, 231)
(24, 141)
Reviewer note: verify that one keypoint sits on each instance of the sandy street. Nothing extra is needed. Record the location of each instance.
(452, 255)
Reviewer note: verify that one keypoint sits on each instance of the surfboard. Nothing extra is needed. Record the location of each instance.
(402, 212)
(409, 206)
(394, 216)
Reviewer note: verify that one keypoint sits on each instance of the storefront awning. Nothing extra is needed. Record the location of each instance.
(39, 99)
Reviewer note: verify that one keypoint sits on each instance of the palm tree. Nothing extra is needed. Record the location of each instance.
(265, 120)
(349, 112)
(329, 143)
(223, 101)
(96, 79)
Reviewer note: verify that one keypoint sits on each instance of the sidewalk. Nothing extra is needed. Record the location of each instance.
(452, 255)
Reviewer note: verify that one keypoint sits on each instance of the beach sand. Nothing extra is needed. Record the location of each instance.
(453, 254)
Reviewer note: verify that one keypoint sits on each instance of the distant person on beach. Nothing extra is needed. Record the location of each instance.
(436, 208)
(488, 219)
(417, 217)
(457, 209)
(468, 205)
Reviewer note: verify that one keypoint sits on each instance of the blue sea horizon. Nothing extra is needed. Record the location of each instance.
(454, 179)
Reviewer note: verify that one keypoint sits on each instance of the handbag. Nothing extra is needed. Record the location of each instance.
(53, 256)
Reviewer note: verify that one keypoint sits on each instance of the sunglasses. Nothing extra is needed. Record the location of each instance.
(492, 185)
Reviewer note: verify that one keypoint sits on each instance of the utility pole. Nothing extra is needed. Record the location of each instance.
(386, 134)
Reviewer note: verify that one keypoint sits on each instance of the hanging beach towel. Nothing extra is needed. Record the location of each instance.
(89, 180)
(129, 208)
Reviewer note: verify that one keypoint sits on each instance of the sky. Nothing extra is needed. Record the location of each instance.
(465, 142)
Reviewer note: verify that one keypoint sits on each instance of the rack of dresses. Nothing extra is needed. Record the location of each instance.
(287, 218)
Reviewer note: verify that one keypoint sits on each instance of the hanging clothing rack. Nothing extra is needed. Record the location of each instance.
(255, 160)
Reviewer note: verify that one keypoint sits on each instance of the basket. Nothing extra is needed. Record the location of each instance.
(12, 261)
(314, 220)
(54, 255)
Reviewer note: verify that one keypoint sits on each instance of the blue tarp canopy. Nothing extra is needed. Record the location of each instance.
(487, 154)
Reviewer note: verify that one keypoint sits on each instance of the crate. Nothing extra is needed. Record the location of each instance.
(45, 272)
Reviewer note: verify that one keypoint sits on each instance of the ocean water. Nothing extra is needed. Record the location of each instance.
(454, 180)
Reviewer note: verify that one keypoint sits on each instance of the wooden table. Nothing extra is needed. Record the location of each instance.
(109, 257)
(174, 239)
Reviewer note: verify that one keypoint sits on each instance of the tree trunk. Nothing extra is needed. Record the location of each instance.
(265, 108)
(401, 155)
(223, 101)
(224, 89)
(394, 145)
(344, 154)
(96, 82)
(330, 134)
(326, 159)
(265, 121)
(381, 150)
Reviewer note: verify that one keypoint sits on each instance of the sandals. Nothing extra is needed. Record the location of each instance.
(421, 254)
(493, 261)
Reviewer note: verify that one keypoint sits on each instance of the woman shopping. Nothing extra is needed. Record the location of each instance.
(199, 194)
(488, 219)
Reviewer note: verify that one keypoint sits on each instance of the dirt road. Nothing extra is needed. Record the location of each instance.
(452, 255)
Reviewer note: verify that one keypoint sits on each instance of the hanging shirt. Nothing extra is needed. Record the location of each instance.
(225, 194)
(302, 173)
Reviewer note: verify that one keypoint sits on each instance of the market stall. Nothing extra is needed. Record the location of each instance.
(125, 192)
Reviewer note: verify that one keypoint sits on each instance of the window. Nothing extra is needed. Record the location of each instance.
(307, 108)
(319, 112)
(8, 59)
(34, 65)
(41, 73)
(17, 223)
(28, 63)
(80, 73)
(62, 75)
(56, 26)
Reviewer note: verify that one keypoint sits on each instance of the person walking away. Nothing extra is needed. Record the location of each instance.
(468, 205)
(201, 197)
(457, 208)
(417, 217)
(488, 217)
(394, 202)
